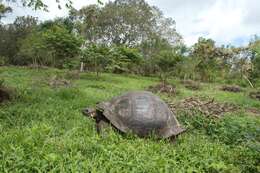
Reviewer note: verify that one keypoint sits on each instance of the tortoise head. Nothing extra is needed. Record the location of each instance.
(89, 112)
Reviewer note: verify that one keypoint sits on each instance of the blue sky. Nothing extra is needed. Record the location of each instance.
(226, 21)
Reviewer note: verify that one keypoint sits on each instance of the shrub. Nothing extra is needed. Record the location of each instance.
(3, 61)
(124, 59)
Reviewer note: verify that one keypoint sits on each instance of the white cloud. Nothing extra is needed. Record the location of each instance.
(226, 21)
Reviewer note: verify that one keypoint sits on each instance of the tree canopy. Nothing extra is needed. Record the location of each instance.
(121, 36)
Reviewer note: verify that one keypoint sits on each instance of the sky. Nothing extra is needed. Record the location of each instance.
(226, 21)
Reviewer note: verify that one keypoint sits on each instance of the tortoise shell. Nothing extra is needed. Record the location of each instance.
(141, 113)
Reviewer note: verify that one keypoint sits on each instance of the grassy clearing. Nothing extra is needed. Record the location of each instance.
(42, 130)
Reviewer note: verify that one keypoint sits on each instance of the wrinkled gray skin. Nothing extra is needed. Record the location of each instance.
(141, 113)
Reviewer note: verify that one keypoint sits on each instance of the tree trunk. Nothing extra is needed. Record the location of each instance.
(82, 67)
(250, 83)
(97, 73)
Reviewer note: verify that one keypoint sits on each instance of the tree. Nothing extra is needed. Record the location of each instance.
(153, 46)
(124, 59)
(165, 28)
(124, 22)
(116, 59)
(11, 34)
(55, 43)
(86, 22)
(63, 44)
(40, 5)
(207, 53)
(65, 23)
(95, 56)
(187, 67)
(254, 46)
(121, 22)
(3, 10)
(33, 50)
(167, 62)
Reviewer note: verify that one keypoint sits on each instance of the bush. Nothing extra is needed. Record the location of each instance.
(115, 59)
(3, 61)
(5, 92)
(124, 59)
(96, 57)
(55, 46)
(167, 61)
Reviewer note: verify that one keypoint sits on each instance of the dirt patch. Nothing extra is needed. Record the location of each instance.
(190, 84)
(57, 81)
(207, 107)
(231, 88)
(72, 75)
(255, 95)
(163, 88)
(253, 111)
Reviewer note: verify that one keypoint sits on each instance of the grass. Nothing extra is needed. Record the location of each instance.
(42, 130)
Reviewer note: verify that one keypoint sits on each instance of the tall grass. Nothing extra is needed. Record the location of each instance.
(42, 130)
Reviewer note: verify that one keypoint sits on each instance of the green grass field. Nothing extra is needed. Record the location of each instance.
(42, 129)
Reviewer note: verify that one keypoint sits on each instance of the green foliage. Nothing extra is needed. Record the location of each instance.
(3, 61)
(96, 57)
(65, 23)
(187, 67)
(241, 133)
(124, 23)
(241, 130)
(151, 49)
(124, 59)
(43, 130)
(11, 34)
(41, 5)
(205, 51)
(122, 37)
(4, 9)
(114, 59)
(54, 46)
(167, 62)
(34, 50)
(62, 44)
(255, 48)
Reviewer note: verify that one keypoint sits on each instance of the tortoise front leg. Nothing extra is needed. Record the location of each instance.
(102, 123)
(102, 127)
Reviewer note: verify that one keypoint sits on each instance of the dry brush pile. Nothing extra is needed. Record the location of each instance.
(255, 95)
(207, 107)
(231, 88)
(58, 81)
(163, 88)
(192, 85)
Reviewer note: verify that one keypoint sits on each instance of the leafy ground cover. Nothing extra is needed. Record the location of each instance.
(42, 129)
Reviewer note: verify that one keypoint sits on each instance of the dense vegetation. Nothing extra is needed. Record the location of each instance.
(43, 130)
(50, 70)
(124, 36)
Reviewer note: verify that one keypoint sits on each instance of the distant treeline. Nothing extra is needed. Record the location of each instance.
(124, 36)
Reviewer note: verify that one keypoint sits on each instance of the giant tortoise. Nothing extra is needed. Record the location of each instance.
(139, 112)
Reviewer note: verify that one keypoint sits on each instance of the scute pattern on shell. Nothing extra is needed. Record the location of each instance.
(141, 113)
